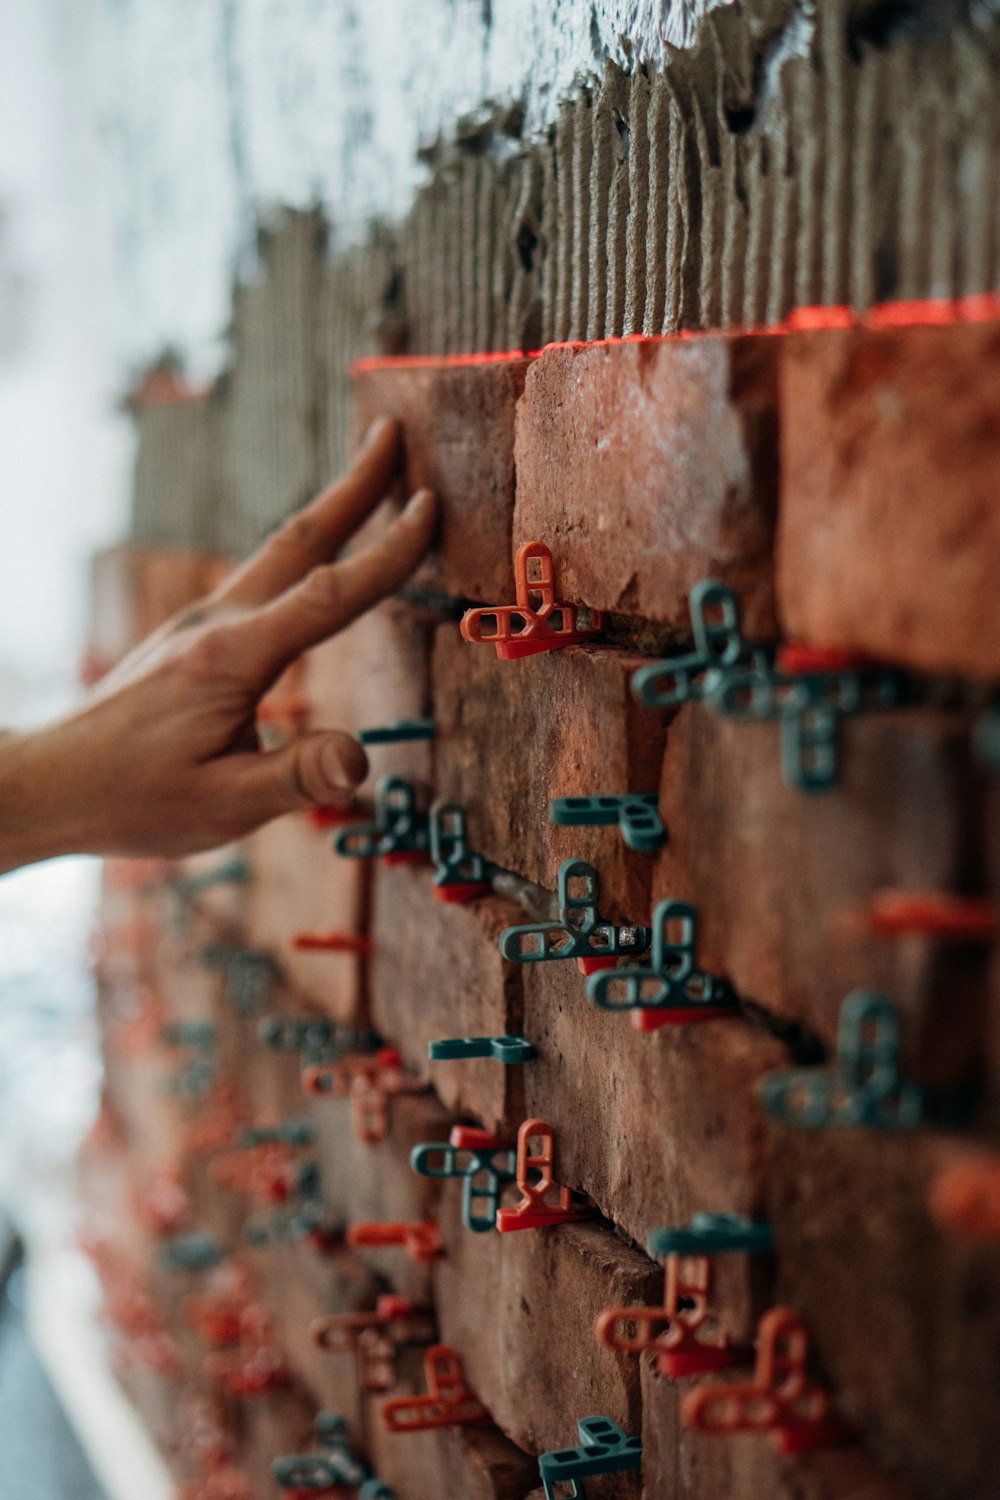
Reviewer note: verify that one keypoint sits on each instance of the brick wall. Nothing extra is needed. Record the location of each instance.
(843, 482)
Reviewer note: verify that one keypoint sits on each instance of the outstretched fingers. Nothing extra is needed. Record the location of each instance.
(331, 596)
(315, 534)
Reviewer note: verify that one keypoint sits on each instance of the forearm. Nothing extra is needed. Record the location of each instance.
(37, 819)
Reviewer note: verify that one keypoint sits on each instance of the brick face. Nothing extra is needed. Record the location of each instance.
(889, 535)
(646, 467)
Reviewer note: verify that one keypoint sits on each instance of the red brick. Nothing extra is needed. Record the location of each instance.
(437, 973)
(648, 466)
(904, 1318)
(773, 872)
(475, 1463)
(682, 1465)
(375, 672)
(520, 1309)
(513, 735)
(458, 432)
(301, 886)
(375, 1184)
(889, 531)
(657, 1126)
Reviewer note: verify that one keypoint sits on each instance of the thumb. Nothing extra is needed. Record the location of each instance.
(314, 770)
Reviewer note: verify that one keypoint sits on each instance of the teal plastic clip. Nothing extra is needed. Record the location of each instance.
(195, 1080)
(335, 1465)
(673, 991)
(580, 933)
(191, 1252)
(986, 738)
(809, 706)
(638, 817)
(505, 1049)
(718, 642)
(249, 974)
(864, 1087)
(712, 1234)
(301, 1216)
(807, 691)
(376, 1489)
(317, 1041)
(402, 730)
(399, 834)
(231, 872)
(287, 1133)
(459, 875)
(484, 1163)
(604, 1449)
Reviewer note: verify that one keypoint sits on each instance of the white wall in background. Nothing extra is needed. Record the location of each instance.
(206, 111)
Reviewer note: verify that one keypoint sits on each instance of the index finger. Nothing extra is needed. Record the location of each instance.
(316, 533)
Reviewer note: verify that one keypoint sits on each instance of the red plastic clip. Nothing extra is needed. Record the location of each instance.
(536, 1182)
(264, 1170)
(371, 1080)
(537, 622)
(799, 661)
(375, 1337)
(686, 1338)
(965, 1199)
(780, 1399)
(448, 1403)
(287, 712)
(218, 1317)
(255, 1369)
(935, 914)
(331, 816)
(418, 1237)
(333, 942)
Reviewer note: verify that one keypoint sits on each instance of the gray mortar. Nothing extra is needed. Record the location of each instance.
(797, 154)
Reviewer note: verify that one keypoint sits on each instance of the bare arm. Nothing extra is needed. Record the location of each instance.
(163, 758)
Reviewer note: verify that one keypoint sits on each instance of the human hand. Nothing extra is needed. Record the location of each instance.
(163, 757)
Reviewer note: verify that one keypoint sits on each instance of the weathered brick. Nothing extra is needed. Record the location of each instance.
(300, 886)
(513, 735)
(904, 1317)
(679, 1464)
(458, 434)
(533, 1358)
(654, 1127)
(375, 1183)
(436, 973)
(647, 466)
(299, 1286)
(773, 872)
(889, 532)
(476, 1463)
(375, 672)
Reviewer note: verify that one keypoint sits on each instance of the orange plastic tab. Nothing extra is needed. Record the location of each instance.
(537, 622)
(453, 894)
(371, 1080)
(799, 660)
(418, 1237)
(537, 1184)
(253, 1372)
(653, 1020)
(333, 942)
(781, 1399)
(263, 1170)
(375, 1337)
(936, 914)
(449, 1401)
(965, 1199)
(331, 816)
(685, 1336)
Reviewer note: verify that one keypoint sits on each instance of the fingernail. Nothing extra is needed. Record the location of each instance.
(343, 766)
(419, 506)
(375, 431)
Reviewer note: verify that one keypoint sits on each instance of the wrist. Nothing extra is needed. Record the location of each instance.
(34, 818)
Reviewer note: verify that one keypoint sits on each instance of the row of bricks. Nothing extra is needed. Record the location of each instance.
(657, 1117)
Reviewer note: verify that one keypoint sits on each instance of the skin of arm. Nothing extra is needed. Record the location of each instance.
(162, 758)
